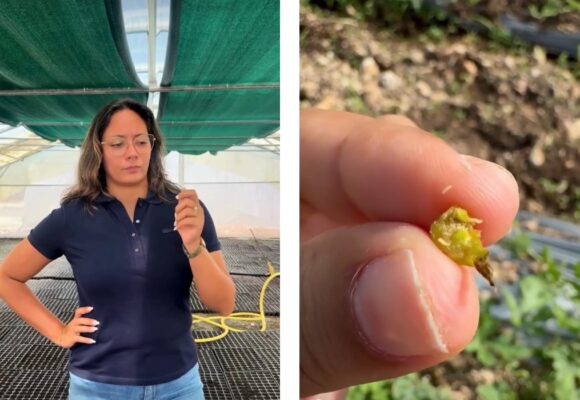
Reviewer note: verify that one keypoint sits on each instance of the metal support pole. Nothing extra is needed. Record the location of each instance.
(170, 89)
(181, 168)
(151, 36)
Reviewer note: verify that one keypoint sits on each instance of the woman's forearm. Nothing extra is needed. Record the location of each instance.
(26, 305)
(215, 287)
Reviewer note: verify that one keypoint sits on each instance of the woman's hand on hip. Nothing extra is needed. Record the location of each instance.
(71, 332)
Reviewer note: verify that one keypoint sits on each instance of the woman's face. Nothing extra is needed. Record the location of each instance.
(126, 149)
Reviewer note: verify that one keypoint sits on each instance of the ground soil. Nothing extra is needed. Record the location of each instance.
(518, 109)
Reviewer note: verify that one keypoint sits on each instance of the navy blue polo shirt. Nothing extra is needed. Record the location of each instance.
(137, 277)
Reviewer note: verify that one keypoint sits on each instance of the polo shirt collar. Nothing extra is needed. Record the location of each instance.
(104, 198)
(151, 198)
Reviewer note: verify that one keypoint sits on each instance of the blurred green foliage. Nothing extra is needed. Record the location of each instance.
(408, 387)
(389, 11)
(564, 194)
(426, 11)
(518, 243)
(551, 8)
(499, 38)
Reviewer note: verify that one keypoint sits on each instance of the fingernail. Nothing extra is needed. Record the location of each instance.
(507, 175)
(174, 228)
(91, 308)
(489, 170)
(395, 306)
(96, 323)
(177, 197)
(465, 162)
(95, 329)
(93, 341)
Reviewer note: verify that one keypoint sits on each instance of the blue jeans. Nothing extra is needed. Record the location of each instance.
(186, 387)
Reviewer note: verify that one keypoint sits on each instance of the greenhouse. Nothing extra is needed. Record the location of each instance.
(210, 72)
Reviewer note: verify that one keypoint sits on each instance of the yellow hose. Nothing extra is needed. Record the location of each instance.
(221, 322)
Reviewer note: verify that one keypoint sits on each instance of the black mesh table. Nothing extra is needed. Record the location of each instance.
(242, 365)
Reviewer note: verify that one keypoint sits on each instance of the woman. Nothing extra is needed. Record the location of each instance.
(134, 241)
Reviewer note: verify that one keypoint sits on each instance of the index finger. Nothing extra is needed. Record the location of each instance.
(187, 194)
(82, 310)
(357, 168)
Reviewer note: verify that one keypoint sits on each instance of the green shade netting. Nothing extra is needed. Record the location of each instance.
(221, 43)
(70, 135)
(243, 105)
(62, 44)
(201, 139)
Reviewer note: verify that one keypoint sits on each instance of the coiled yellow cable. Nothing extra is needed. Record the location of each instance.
(220, 322)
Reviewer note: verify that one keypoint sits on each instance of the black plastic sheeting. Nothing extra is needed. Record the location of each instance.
(565, 249)
(553, 41)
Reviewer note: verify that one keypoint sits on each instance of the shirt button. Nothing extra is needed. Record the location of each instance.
(136, 250)
(137, 221)
(133, 235)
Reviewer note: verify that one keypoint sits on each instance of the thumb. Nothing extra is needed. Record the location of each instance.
(377, 301)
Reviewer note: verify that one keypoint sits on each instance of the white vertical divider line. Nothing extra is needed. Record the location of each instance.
(289, 201)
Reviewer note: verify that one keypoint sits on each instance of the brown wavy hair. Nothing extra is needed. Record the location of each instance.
(91, 179)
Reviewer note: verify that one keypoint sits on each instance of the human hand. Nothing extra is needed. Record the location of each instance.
(378, 299)
(189, 219)
(71, 332)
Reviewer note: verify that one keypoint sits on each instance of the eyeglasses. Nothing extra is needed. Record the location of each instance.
(142, 144)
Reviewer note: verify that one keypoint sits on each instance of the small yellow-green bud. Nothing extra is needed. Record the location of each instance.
(454, 234)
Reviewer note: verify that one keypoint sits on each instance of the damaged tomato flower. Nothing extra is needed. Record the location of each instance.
(454, 234)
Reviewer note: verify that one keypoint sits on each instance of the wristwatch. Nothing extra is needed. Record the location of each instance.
(196, 252)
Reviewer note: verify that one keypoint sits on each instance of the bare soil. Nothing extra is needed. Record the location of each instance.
(520, 110)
